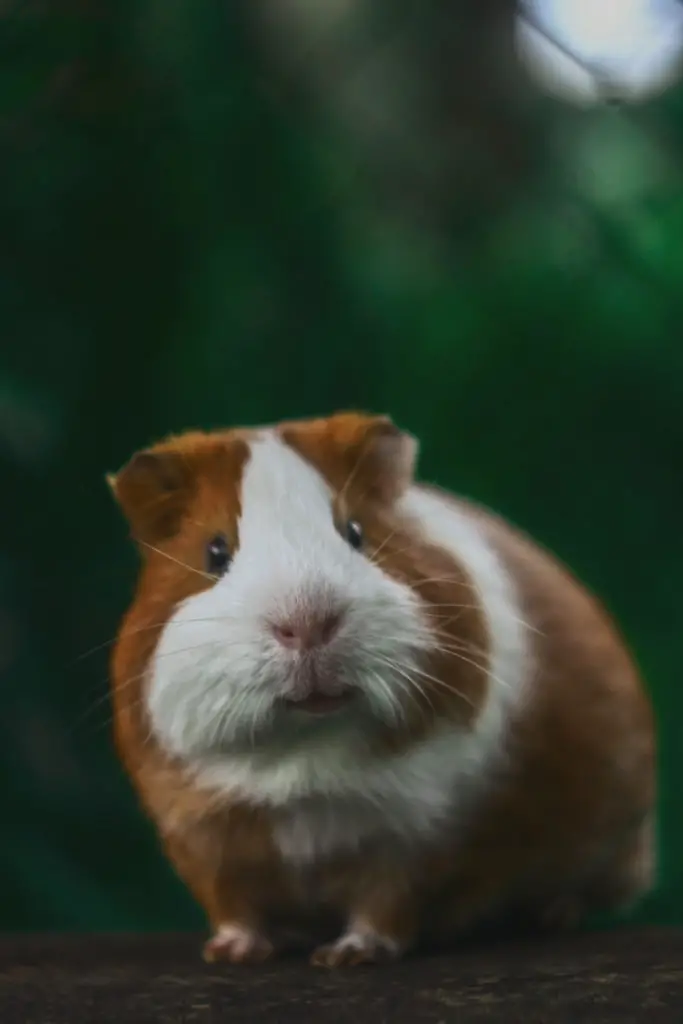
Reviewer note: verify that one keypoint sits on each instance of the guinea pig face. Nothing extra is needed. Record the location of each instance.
(278, 620)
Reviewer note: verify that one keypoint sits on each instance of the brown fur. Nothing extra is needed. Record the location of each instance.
(585, 749)
(568, 829)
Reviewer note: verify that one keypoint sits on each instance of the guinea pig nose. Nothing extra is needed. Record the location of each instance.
(302, 634)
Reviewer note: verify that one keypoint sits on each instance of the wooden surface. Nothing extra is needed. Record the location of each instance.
(624, 977)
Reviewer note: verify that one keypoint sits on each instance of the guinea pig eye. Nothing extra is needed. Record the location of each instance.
(354, 534)
(217, 556)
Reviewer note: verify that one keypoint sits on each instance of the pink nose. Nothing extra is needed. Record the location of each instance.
(302, 634)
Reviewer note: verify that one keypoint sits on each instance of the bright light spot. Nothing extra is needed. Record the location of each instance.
(588, 50)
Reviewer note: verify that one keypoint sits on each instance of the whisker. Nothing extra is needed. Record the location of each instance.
(458, 604)
(460, 582)
(409, 676)
(510, 615)
(461, 653)
(125, 683)
(401, 551)
(427, 642)
(352, 475)
(389, 696)
(485, 668)
(407, 686)
(125, 634)
(445, 641)
(176, 561)
(107, 721)
(473, 607)
(450, 621)
(384, 543)
(465, 652)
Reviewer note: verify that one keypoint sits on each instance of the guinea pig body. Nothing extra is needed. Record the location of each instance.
(341, 694)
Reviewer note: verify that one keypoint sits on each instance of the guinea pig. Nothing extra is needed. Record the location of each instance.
(348, 697)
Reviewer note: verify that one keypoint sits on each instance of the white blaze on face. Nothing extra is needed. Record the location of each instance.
(218, 669)
(291, 556)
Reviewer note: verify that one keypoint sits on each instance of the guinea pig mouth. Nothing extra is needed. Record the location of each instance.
(317, 703)
(317, 693)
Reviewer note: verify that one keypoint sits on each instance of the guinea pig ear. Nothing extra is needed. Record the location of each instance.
(379, 457)
(152, 491)
(390, 457)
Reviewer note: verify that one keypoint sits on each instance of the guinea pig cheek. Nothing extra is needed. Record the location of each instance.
(384, 645)
(210, 682)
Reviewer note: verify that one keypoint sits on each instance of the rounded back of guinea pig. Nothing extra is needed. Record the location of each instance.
(284, 592)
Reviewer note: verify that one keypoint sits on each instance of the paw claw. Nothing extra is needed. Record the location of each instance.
(234, 944)
(353, 950)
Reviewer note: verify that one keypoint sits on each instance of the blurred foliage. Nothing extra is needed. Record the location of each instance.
(184, 243)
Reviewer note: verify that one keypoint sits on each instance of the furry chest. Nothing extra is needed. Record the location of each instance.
(321, 807)
(319, 828)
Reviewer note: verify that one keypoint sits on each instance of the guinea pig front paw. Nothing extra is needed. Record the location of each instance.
(237, 944)
(356, 948)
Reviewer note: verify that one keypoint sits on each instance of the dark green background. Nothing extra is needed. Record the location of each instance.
(184, 242)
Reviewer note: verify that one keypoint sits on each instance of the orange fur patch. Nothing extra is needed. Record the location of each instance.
(202, 490)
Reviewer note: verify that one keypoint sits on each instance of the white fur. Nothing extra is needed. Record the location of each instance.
(451, 527)
(217, 671)
(363, 939)
(236, 942)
